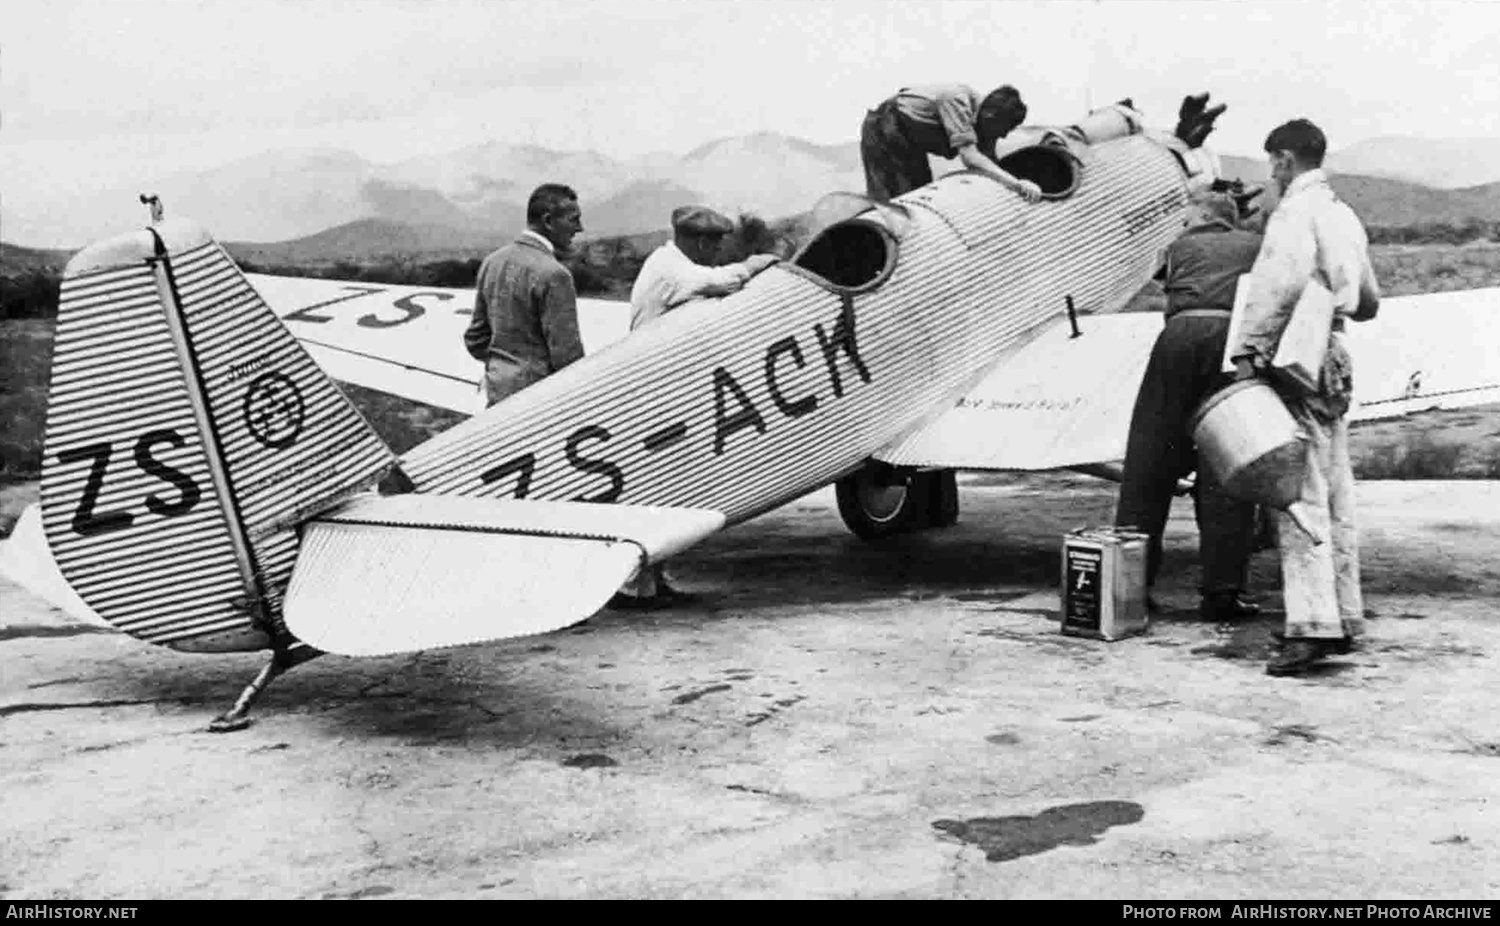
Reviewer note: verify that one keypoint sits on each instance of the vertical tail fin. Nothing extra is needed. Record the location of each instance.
(187, 434)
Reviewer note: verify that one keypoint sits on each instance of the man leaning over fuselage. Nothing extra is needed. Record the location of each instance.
(684, 268)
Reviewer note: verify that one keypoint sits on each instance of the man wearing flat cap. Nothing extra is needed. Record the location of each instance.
(683, 269)
(676, 273)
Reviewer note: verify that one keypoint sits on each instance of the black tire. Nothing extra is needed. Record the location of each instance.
(879, 501)
(942, 497)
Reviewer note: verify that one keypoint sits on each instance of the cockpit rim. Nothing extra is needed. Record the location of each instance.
(892, 254)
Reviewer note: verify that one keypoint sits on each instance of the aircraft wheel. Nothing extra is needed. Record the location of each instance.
(878, 501)
(942, 497)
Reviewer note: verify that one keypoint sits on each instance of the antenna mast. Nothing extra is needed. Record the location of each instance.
(153, 202)
(1088, 71)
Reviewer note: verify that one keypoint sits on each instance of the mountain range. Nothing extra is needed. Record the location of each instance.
(329, 204)
(475, 192)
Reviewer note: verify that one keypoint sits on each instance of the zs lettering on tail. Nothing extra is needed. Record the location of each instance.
(89, 523)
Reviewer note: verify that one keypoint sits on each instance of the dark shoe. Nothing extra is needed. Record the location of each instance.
(1192, 107)
(675, 598)
(1343, 646)
(1204, 126)
(1227, 606)
(623, 602)
(1296, 657)
(665, 597)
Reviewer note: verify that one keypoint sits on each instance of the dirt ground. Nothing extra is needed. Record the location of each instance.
(836, 720)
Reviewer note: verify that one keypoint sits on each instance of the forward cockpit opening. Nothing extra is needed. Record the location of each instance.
(851, 255)
(1051, 167)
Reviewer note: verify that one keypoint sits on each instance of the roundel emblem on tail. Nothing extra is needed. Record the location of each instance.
(274, 410)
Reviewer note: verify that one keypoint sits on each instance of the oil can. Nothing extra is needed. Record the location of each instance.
(1104, 583)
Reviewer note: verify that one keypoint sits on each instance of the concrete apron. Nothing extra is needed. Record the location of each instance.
(836, 720)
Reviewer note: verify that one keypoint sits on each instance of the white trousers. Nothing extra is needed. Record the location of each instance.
(1320, 584)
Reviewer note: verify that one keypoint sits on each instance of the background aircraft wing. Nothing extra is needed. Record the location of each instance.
(1436, 350)
(404, 340)
(1061, 401)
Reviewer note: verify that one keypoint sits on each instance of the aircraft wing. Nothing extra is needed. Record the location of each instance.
(1061, 401)
(1057, 401)
(404, 340)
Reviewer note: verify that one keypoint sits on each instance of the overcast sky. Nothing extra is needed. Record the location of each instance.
(111, 91)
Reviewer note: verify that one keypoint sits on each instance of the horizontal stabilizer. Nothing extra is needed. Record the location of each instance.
(394, 574)
(26, 559)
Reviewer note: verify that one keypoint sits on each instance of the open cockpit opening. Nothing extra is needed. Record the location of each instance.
(1051, 167)
(851, 255)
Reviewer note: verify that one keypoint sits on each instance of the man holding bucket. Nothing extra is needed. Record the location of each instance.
(1312, 237)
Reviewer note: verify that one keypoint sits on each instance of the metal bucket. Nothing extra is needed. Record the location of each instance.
(1254, 446)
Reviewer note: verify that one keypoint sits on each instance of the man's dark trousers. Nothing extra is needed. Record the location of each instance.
(1184, 368)
(893, 164)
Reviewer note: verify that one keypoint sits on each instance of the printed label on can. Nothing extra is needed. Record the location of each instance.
(1081, 598)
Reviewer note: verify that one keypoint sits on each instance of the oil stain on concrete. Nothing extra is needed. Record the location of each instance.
(1005, 839)
(589, 760)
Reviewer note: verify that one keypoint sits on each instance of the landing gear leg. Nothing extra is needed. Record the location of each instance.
(282, 659)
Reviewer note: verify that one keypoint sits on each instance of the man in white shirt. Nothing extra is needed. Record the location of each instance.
(1313, 236)
(675, 274)
(683, 269)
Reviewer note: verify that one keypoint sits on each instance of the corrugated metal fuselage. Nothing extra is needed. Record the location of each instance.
(188, 433)
(742, 404)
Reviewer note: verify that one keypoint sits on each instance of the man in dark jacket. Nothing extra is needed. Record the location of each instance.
(1199, 275)
(525, 323)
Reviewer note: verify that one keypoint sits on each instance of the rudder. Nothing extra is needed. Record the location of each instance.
(188, 433)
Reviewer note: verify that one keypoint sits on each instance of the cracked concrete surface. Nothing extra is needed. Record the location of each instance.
(837, 720)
